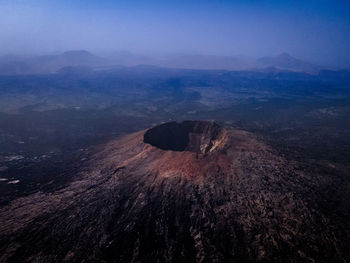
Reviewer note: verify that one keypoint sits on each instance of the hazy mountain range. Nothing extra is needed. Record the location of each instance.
(13, 65)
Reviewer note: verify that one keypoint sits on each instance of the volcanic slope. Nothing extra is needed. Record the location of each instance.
(178, 192)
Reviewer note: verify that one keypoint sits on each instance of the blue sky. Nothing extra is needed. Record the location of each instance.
(318, 31)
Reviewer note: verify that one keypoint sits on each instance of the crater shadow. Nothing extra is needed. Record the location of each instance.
(195, 136)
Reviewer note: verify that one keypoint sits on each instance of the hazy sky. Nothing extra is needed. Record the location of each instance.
(318, 31)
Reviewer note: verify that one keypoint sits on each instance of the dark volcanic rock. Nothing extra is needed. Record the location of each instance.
(236, 201)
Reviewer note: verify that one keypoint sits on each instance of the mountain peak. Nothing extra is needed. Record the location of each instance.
(284, 61)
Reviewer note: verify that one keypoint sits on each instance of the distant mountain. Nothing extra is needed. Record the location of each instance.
(80, 56)
(49, 63)
(128, 59)
(282, 62)
(286, 62)
(207, 62)
(12, 65)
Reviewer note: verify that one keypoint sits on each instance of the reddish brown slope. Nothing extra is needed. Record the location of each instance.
(235, 201)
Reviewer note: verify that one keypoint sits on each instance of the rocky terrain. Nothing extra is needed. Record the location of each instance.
(180, 192)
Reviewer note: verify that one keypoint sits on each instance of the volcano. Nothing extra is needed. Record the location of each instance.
(179, 192)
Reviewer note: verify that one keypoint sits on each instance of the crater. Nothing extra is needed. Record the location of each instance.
(194, 136)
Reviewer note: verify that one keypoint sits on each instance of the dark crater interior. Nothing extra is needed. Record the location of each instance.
(195, 136)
